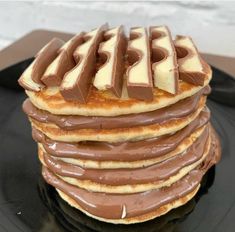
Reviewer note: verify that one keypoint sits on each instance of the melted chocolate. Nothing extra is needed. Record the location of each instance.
(154, 173)
(180, 109)
(111, 206)
(126, 151)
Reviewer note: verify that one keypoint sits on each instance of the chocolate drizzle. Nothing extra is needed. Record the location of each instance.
(139, 76)
(165, 67)
(192, 68)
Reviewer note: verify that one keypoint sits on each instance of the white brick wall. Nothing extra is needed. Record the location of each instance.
(211, 24)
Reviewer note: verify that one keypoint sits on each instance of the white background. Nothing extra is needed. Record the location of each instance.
(211, 24)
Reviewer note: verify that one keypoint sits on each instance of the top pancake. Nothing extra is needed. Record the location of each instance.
(104, 103)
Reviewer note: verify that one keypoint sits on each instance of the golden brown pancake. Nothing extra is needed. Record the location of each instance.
(116, 135)
(186, 143)
(157, 213)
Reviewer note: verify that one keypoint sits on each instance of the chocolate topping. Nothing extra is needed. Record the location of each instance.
(180, 109)
(154, 173)
(56, 70)
(73, 66)
(139, 75)
(112, 52)
(63, 63)
(192, 68)
(102, 204)
(77, 82)
(31, 78)
(126, 151)
(165, 67)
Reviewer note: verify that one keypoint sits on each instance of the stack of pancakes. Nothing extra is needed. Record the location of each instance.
(121, 123)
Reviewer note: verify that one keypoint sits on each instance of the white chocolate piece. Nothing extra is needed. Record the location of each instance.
(27, 81)
(166, 70)
(77, 82)
(63, 62)
(53, 67)
(138, 72)
(31, 77)
(81, 52)
(112, 52)
(103, 78)
(193, 62)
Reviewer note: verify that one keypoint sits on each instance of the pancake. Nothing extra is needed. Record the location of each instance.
(132, 180)
(157, 225)
(116, 135)
(186, 143)
(127, 154)
(68, 122)
(157, 213)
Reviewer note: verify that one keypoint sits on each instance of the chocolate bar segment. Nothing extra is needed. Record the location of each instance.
(111, 52)
(77, 82)
(191, 67)
(72, 44)
(63, 62)
(139, 78)
(165, 68)
(31, 77)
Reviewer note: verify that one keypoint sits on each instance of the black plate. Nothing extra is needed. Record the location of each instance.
(28, 204)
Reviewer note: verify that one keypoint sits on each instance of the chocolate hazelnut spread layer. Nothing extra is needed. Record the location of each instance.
(111, 206)
(180, 109)
(153, 173)
(126, 151)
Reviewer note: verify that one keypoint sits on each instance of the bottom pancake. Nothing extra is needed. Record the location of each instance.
(142, 218)
(136, 207)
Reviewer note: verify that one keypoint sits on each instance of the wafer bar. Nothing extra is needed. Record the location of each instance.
(139, 78)
(112, 51)
(77, 82)
(191, 68)
(165, 68)
(63, 62)
(31, 77)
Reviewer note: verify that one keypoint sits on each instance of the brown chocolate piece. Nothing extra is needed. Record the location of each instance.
(192, 69)
(31, 77)
(111, 51)
(77, 82)
(165, 67)
(63, 63)
(139, 75)
(71, 45)
(56, 70)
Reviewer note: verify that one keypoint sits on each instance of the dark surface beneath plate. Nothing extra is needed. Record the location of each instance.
(22, 189)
